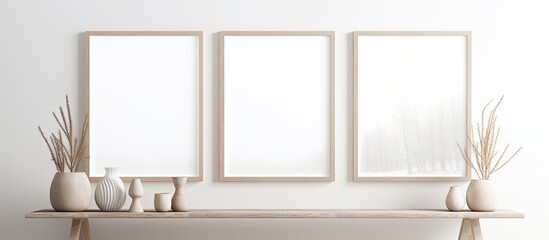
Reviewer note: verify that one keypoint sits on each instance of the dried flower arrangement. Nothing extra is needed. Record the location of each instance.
(488, 159)
(61, 154)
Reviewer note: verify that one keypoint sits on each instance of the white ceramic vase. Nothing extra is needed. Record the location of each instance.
(136, 192)
(179, 200)
(455, 200)
(110, 193)
(162, 202)
(70, 192)
(482, 196)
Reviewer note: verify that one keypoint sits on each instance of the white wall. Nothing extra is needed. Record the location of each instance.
(42, 58)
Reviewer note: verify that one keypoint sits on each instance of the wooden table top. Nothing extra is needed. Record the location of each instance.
(280, 213)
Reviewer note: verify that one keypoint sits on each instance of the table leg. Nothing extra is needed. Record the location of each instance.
(80, 229)
(470, 229)
(85, 232)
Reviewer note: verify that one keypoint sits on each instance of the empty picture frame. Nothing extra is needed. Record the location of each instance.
(411, 105)
(145, 104)
(277, 106)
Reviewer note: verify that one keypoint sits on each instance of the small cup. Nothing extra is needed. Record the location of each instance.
(162, 202)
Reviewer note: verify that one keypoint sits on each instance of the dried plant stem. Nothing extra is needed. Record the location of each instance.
(487, 159)
(59, 165)
(61, 154)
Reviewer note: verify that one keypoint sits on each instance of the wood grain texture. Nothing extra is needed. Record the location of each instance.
(475, 228)
(80, 229)
(470, 230)
(75, 229)
(465, 233)
(280, 213)
(85, 231)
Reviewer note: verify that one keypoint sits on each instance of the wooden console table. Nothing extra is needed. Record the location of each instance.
(470, 226)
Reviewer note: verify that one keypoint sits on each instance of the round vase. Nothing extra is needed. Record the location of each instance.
(70, 192)
(110, 193)
(482, 196)
(455, 200)
(179, 200)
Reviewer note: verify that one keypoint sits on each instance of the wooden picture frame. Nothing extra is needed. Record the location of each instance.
(145, 104)
(264, 76)
(399, 79)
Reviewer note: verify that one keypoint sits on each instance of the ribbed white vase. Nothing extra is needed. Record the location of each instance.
(110, 193)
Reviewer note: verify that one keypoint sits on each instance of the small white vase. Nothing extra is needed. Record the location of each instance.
(136, 192)
(455, 200)
(70, 192)
(482, 196)
(179, 200)
(110, 193)
(162, 202)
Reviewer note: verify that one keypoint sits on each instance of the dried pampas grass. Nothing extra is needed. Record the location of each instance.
(66, 149)
(488, 159)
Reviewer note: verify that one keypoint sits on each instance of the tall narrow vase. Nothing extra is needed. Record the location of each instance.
(179, 200)
(136, 192)
(110, 193)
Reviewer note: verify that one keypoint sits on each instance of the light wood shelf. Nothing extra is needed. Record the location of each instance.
(470, 225)
(280, 213)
